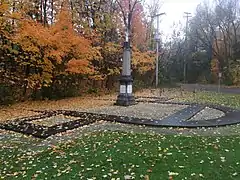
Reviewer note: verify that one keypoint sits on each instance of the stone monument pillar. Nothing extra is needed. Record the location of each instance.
(125, 97)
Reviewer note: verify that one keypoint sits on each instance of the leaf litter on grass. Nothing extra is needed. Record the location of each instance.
(117, 154)
(143, 154)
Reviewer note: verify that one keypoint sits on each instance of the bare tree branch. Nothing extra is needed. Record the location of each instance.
(123, 12)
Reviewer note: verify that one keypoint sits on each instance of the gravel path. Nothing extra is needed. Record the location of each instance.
(206, 114)
(141, 110)
(54, 120)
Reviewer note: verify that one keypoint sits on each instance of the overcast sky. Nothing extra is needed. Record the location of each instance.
(175, 11)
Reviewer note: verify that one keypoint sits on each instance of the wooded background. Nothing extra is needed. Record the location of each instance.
(59, 48)
(210, 45)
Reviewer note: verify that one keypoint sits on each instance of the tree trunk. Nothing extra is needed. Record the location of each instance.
(45, 22)
(25, 86)
(13, 9)
(52, 14)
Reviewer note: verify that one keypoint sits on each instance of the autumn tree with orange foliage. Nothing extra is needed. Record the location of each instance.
(9, 70)
(139, 29)
(49, 48)
(53, 53)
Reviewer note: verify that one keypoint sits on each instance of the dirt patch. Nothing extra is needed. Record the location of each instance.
(10, 113)
(24, 109)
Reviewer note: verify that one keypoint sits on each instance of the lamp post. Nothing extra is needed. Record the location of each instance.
(125, 97)
(157, 39)
(187, 16)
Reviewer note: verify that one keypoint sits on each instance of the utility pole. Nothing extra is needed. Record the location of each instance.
(187, 16)
(157, 39)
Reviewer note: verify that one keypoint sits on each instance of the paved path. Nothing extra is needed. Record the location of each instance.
(212, 88)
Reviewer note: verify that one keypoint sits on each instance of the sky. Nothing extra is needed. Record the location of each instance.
(174, 10)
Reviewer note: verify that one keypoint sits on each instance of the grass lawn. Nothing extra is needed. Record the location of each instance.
(127, 155)
(109, 155)
(230, 100)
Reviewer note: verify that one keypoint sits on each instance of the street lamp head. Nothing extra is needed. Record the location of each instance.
(160, 14)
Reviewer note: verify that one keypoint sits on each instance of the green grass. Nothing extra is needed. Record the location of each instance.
(229, 100)
(108, 155)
